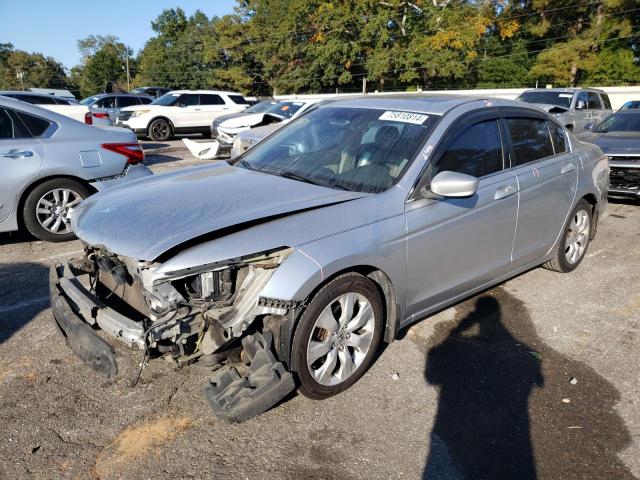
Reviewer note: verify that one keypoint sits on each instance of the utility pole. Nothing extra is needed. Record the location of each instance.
(128, 76)
(364, 85)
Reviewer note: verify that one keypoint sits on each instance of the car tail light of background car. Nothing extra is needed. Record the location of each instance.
(88, 117)
(133, 151)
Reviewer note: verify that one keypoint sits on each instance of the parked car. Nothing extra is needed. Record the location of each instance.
(155, 92)
(108, 105)
(280, 113)
(50, 163)
(180, 111)
(631, 105)
(63, 106)
(255, 108)
(351, 222)
(619, 138)
(573, 107)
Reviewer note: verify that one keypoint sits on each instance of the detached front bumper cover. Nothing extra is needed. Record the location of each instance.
(81, 338)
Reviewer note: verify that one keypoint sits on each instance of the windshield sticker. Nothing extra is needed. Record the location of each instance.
(565, 95)
(405, 117)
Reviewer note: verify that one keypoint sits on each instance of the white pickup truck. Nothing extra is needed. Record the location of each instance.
(63, 106)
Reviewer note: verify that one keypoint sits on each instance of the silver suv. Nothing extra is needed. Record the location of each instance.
(575, 108)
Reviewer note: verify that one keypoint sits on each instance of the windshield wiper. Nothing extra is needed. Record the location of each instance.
(297, 176)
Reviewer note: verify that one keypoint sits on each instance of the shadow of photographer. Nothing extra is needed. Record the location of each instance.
(507, 408)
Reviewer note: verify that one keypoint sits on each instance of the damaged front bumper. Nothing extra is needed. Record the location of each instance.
(235, 393)
(76, 311)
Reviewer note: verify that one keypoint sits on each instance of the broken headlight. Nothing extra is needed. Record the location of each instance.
(220, 284)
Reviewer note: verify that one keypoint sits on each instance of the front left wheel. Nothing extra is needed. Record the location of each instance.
(338, 335)
(48, 207)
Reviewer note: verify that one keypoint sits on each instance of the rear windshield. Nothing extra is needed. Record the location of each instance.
(284, 109)
(89, 100)
(561, 99)
(259, 107)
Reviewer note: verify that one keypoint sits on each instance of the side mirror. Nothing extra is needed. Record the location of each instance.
(454, 184)
(589, 126)
(580, 105)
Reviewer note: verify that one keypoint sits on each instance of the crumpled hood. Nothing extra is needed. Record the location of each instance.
(145, 218)
(614, 142)
(239, 124)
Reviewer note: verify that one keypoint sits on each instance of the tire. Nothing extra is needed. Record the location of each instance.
(343, 363)
(160, 130)
(572, 247)
(57, 196)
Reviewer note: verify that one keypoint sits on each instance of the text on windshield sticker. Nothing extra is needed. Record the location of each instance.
(405, 117)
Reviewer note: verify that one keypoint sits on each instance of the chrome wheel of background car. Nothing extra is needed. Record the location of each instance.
(577, 237)
(341, 338)
(54, 207)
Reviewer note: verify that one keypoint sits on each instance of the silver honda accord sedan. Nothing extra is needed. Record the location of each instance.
(289, 265)
(50, 162)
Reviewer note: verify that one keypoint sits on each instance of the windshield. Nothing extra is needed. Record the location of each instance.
(620, 122)
(355, 149)
(259, 107)
(551, 98)
(167, 100)
(89, 100)
(284, 109)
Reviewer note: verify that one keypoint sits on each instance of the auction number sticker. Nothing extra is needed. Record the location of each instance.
(565, 95)
(405, 117)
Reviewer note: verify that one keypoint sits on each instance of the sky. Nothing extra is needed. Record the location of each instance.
(53, 27)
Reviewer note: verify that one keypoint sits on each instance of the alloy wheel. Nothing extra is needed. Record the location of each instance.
(577, 237)
(341, 338)
(54, 208)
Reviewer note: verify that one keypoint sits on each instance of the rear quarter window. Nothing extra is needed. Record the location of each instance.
(558, 137)
(35, 126)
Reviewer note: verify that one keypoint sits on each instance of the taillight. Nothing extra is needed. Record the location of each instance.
(88, 119)
(133, 151)
(100, 115)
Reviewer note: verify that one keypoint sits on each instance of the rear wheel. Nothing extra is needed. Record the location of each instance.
(338, 336)
(48, 207)
(575, 239)
(160, 130)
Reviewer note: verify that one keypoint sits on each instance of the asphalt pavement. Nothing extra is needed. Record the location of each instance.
(536, 378)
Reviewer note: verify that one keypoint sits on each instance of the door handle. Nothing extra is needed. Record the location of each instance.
(17, 154)
(504, 192)
(568, 168)
(197, 109)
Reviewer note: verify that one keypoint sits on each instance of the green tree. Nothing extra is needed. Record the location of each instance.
(20, 69)
(104, 60)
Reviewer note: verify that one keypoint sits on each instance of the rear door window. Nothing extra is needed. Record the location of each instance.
(530, 139)
(476, 151)
(210, 99)
(6, 125)
(606, 101)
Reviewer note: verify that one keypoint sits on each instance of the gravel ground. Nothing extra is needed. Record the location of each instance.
(536, 378)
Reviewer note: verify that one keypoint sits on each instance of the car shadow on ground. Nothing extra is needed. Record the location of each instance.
(511, 407)
(24, 289)
(12, 238)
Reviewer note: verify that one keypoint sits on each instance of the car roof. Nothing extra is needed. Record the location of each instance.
(35, 110)
(31, 94)
(565, 90)
(215, 92)
(435, 104)
(118, 94)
